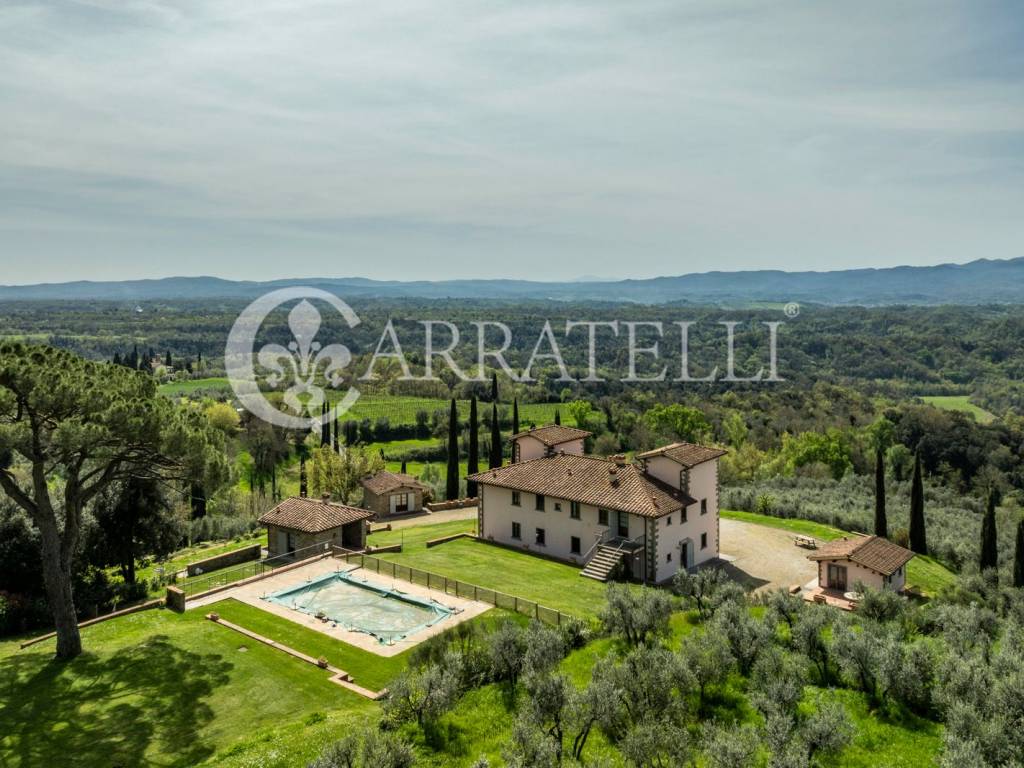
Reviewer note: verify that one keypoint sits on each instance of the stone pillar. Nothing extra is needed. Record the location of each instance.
(175, 599)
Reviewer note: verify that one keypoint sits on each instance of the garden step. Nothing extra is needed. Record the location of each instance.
(603, 563)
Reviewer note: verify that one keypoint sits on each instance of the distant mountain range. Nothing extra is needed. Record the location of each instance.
(979, 282)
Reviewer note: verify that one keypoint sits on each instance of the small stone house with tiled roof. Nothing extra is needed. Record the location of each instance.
(297, 523)
(544, 441)
(649, 518)
(869, 560)
(392, 493)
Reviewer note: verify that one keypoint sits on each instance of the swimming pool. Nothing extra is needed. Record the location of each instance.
(360, 606)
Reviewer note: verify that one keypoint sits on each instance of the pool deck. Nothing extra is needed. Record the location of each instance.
(253, 593)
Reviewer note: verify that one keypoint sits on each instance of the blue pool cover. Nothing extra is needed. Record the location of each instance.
(360, 606)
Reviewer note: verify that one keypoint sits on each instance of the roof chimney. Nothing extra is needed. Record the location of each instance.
(620, 459)
(327, 498)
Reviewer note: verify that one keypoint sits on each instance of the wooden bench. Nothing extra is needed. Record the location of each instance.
(805, 541)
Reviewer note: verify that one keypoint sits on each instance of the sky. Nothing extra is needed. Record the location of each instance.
(439, 139)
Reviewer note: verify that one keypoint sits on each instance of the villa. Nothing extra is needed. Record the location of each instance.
(648, 518)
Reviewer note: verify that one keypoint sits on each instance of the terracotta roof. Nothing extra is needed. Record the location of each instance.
(873, 552)
(385, 482)
(312, 515)
(554, 434)
(687, 454)
(590, 480)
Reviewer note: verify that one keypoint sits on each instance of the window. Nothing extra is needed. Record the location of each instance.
(574, 510)
(558, 506)
(669, 521)
(401, 502)
(517, 531)
(682, 516)
(540, 502)
(574, 545)
(540, 537)
(703, 506)
(602, 517)
(703, 541)
(668, 557)
(515, 498)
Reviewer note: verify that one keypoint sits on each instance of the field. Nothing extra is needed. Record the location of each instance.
(157, 688)
(960, 403)
(924, 573)
(397, 409)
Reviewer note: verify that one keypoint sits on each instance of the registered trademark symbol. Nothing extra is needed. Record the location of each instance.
(792, 309)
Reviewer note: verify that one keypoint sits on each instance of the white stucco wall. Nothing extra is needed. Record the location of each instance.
(498, 514)
(532, 448)
(703, 486)
(858, 573)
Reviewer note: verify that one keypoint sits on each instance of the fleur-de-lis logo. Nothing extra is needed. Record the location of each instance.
(304, 358)
(298, 365)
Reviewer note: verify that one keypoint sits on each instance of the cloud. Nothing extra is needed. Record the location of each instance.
(266, 138)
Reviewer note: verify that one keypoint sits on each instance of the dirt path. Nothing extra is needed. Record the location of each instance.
(468, 513)
(764, 558)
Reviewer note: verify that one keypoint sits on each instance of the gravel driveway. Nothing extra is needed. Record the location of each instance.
(764, 558)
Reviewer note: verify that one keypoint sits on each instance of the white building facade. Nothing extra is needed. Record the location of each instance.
(659, 514)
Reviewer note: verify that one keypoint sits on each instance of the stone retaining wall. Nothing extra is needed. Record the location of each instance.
(216, 562)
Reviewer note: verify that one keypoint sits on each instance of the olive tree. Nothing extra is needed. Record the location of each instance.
(69, 428)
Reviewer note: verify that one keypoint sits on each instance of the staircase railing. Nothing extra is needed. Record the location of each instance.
(598, 540)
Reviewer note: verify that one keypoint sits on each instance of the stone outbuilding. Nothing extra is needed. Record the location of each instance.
(392, 493)
(298, 523)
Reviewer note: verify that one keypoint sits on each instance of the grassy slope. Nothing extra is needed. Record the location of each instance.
(551, 584)
(960, 403)
(157, 688)
(925, 573)
(184, 557)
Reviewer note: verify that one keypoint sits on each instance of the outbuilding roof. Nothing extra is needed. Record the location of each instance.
(590, 480)
(553, 434)
(687, 454)
(873, 552)
(385, 482)
(298, 513)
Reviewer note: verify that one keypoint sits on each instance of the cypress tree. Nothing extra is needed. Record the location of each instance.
(1018, 557)
(303, 485)
(881, 524)
(325, 426)
(494, 387)
(989, 548)
(337, 437)
(558, 417)
(167, 359)
(496, 452)
(918, 538)
(117, 358)
(473, 465)
(404, 471)
(515, 416)
(452, 483)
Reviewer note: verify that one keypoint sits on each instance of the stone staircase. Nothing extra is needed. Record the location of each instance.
(602, 564)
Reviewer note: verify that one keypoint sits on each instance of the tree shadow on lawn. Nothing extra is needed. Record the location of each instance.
(107, 711)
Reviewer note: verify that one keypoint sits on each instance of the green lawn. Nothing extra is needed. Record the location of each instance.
(158, 688)
(960, 403)
(192, 385)
(924, 573)
(413, 538)
(554, 585)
